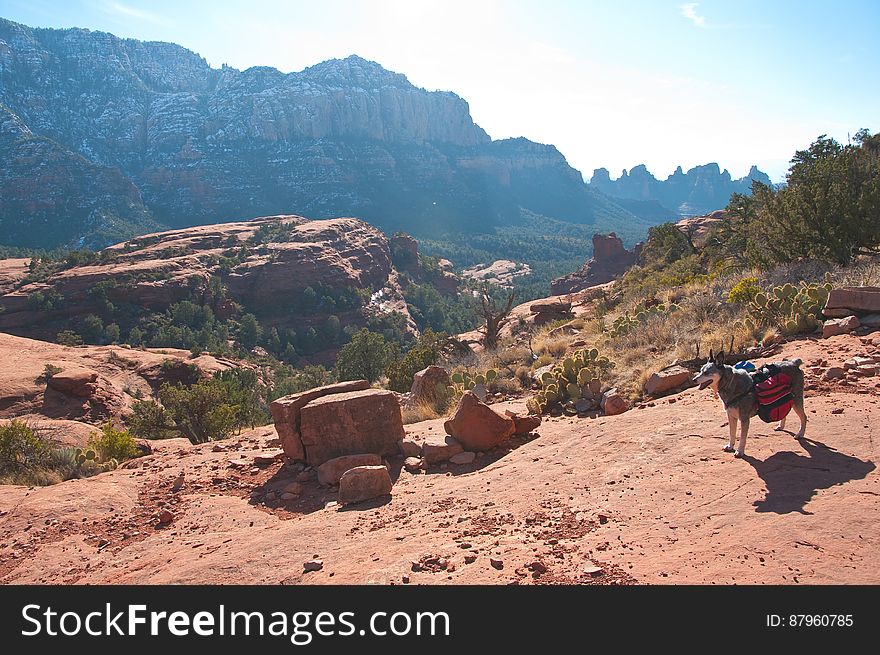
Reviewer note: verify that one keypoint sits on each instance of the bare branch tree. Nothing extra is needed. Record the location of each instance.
(495, 318)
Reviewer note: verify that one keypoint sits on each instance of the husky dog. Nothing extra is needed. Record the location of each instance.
(736, 390)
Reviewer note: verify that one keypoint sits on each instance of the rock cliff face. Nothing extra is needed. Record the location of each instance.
(264, 265)
(106, 135)
(699, 191)
(610, 260)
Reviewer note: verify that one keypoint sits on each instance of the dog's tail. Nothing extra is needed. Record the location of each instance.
(797, 361)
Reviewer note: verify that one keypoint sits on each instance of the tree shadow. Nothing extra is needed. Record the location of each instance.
(793, 479)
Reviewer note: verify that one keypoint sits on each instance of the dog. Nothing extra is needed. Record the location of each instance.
(735, 388)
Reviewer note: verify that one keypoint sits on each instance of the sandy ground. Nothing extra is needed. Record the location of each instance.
(646, 497)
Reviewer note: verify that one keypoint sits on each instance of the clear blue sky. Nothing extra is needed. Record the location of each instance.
(612, 83)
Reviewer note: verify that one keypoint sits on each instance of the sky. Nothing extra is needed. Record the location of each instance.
(611, 83)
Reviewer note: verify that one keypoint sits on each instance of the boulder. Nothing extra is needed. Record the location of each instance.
(413, 463)
(667, 379)
(363, 483)
(859, 299)
(144, 447)
(465, 457)
(79, 382)
(477, 426)
(438, 449)
(834, 373)
(367, 421)
(286, 413)
(523, 424)
(409, 448)
(837, 326)
(330, 471)
(429, 385)
(612, 403)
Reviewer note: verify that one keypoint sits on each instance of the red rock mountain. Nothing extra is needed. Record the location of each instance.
(264, 264)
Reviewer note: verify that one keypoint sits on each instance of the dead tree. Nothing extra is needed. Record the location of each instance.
(495, 318)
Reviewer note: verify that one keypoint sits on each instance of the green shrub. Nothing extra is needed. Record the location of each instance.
(287, 380)
(425, 352)
(202, 412)
(365, 357)
(149, 420)
(744, 291)
(49, 370)
(112, 444)
(22, 449)
(68, 338)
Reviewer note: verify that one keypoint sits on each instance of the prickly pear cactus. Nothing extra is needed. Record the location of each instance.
(626, 322)
(464, 381)
(792, 309)
(574, 383)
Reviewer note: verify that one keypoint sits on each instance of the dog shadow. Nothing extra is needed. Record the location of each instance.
(793, 479)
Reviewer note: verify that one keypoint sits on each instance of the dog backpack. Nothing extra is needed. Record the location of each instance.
(773, 390)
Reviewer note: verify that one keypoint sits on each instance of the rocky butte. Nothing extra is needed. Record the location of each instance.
(262, 266)
(701, 190)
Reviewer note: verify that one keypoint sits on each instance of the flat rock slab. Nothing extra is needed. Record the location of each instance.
(859, 299)
(268, 457)
(835, 326)
(74, 382)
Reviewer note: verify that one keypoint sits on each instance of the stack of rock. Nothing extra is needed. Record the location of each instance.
(342, 430)
(851, 308)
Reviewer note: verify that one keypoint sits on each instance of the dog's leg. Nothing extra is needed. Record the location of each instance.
(731, 420)
(743, 433)
(802, 415)
(781, 425)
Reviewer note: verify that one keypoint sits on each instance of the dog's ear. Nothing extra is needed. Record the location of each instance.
(711, 356)
(719, 358)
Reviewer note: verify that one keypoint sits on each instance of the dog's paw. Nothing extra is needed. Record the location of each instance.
(779, 428)
(739, 454)
(799, 435)
(727, 448)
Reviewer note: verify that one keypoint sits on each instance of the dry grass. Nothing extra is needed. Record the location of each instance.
(865, 273)
(556, 345)
(419, 412)
(40, 477)
(510, 386)
(524, 375)
(705, 320)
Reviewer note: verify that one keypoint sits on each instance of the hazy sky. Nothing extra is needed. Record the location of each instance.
(612, 83)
